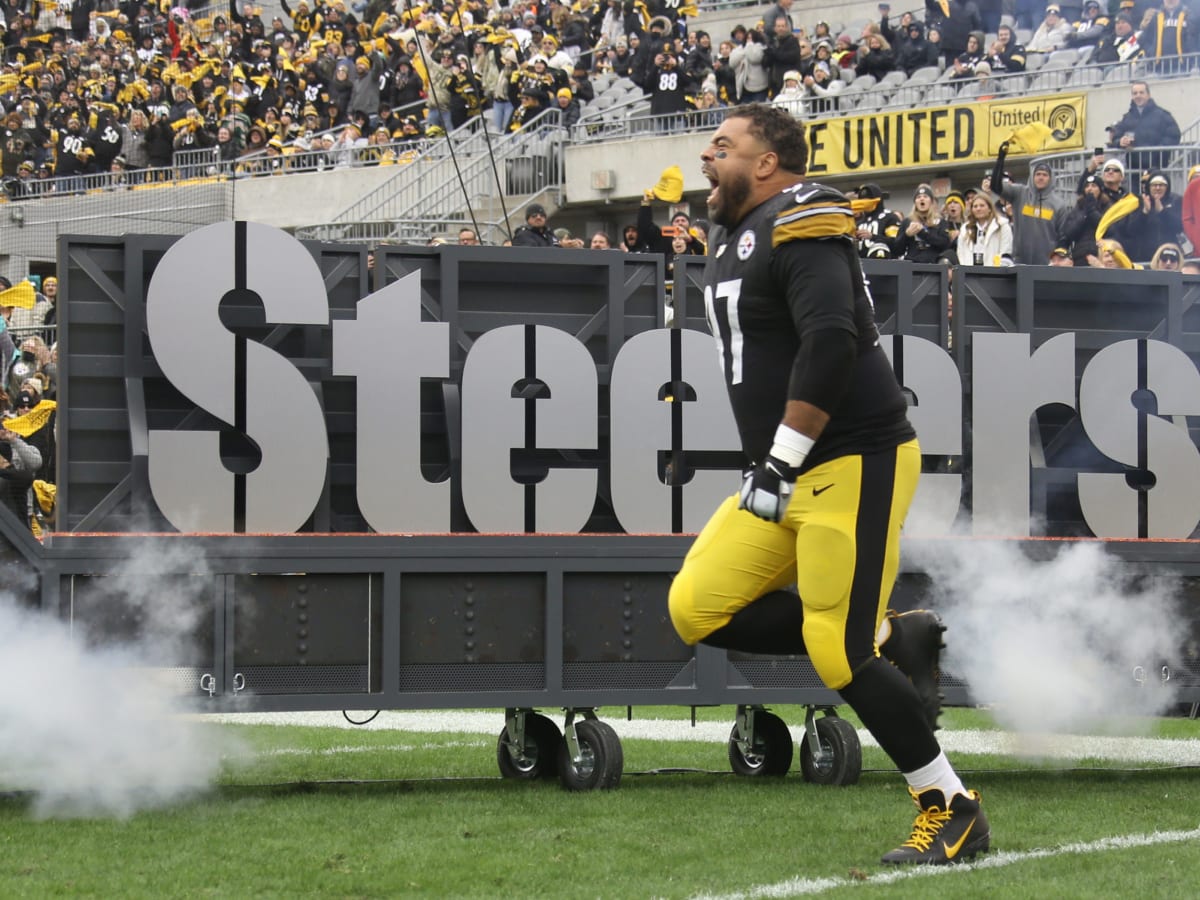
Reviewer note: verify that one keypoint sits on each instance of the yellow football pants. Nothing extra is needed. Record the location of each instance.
(839, 543)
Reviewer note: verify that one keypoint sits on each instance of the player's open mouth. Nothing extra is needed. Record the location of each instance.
(714, 183)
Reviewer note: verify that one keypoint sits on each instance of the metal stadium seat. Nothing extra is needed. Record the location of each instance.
(893, 79)
(1068, 56)
(940, 93)
(1034, 61)
(924, 75)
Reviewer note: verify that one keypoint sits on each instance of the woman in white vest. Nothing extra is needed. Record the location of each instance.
(986, 238)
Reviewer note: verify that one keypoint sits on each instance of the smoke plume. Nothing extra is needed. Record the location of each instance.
(89, 708)
(1074, 643)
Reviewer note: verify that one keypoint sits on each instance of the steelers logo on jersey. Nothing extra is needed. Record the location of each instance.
(745, 245)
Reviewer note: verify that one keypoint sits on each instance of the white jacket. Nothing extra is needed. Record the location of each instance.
(995, 244)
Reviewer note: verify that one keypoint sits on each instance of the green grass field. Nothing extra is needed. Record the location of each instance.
(325, 811)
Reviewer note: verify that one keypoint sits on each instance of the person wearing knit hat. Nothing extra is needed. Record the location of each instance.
(568, 107)
(1190, 209)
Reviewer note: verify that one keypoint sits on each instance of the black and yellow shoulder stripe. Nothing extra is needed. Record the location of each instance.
(819, 215)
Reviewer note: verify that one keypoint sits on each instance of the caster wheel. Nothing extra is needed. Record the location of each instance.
(841, 757)
(538, 758)
(768, 753)
(601, 762)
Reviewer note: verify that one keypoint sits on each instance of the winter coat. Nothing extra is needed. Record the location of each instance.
(1151, 126)
(747, 62)
(1191, 214)
(994, 245)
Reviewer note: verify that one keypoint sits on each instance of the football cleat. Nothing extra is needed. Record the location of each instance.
(914, 647)
(943, 836)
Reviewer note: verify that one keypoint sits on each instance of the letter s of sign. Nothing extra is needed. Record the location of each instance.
(266, 398)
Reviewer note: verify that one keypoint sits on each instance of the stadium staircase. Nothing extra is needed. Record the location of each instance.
(452, 184)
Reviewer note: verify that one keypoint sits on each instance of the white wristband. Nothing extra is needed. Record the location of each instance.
(791, 446)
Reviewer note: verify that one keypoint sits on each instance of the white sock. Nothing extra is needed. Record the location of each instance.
(937, 774)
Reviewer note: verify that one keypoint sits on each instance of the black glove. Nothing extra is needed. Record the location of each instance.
(767, 488)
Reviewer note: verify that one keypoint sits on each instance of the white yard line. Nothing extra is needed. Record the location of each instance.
(1181, 752)
(798, 887)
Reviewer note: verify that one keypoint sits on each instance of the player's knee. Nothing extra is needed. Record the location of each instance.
(824, 636)
(681, 603)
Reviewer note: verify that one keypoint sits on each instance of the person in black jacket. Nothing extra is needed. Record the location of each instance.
(782, 53)
(916, 52)
(534, 232)
(923, 236)
(1146, 124)
(962, 18)
(1075, 226)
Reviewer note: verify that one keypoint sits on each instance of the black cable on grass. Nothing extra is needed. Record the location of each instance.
(346, 716)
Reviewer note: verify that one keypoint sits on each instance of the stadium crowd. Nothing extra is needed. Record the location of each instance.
(103, 86)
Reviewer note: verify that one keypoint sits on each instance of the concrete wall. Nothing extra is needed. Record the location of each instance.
(638, 163)
(305, 198)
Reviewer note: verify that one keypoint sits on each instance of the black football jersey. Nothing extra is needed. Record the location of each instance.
(787, 272)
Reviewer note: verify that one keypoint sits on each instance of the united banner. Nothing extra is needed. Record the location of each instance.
(945, 135)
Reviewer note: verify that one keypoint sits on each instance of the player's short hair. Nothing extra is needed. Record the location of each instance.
(779, 130)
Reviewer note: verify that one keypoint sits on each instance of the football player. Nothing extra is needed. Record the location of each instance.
(835, 463)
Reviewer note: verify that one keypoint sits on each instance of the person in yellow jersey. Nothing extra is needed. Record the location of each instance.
(834, 463)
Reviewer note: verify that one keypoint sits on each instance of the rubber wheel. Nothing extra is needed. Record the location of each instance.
(543, 741)
(602, 759)
(771, 752)
(842, 762)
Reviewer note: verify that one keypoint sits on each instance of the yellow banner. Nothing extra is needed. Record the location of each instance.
(945, 135)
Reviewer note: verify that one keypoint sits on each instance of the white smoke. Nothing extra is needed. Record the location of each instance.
(1074, 643)
(89, 725)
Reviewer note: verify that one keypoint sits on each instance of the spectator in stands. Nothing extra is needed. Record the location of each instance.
(791, 97)
(877, 227)
(1061, 256)
(600, 241)
(1170, 32)
(1006, 54)
(568, 107)
(18, 467)
(1190, 267)
(781, 10)
(1034, 205)
(1075, 226)
(1052, 33)
(467, 237)
(1146, 124)
(916, 52)
(958, 19)
(723, 71)
(822, 88)
(1122, 45)
(923, 236)
(878, 60)
(630, 242)
(898, 37)
(1161, 212)
(1111, 255)
(534, 102)
(965, 62)
(1190, 209)
(1094, 25)
(986, 239)
(534, 233)
(782, 53)
(954, 215)
(1167, 258)
(751, 77)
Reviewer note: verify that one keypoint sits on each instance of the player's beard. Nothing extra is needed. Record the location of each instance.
(732, 194)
